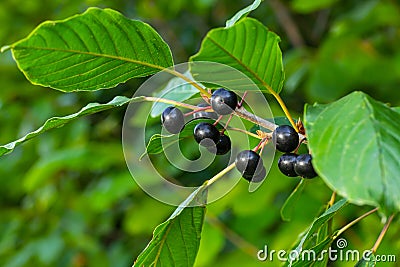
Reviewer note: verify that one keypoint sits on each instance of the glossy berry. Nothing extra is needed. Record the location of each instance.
(255, 178)
(223, 101)
(303, 166)
(249, 163)
(173, 120)
(285, 138)
(206, 134)
(223, 146)
(204, 114)
(286, 164)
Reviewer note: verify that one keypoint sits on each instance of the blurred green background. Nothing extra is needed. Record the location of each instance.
(67, 197)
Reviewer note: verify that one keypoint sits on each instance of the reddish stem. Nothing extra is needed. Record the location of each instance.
(241, 101)
(259, 144)
(196, 110)
(226, 124)
(298, 146)
(218, 120)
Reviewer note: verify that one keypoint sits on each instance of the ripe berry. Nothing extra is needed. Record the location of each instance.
(206, 134)
(223, 101)
(286, 164)
(285, 138)
(249, 163)
(172, 119)
(204, 114)
(223, 146)
(303, 166)
(256, 178)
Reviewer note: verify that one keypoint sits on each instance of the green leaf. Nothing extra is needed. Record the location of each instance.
(176, 241)
(355, 143)
(248, 47)
(57, 122)
(324, 232)
(242, 13)
(308, 6)
(308, 259)
(176, 89)
(291, 201)
(367, 261)
(97, 49)
(157, 144)
(318, 223)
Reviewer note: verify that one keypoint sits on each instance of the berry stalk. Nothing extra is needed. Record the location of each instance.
(197, 110)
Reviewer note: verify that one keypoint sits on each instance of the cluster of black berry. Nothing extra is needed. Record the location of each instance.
(223, 102)
(290, 164)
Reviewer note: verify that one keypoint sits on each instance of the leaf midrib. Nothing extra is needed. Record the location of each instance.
(21, 47)
(267, 86)
(378, 142)
(162, 241)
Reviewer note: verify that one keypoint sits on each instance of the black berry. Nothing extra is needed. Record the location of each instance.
(249, 163)
(223, 146)
(223, 101)
(204, 114)
(303, 166)
(172, 119)
(206, 134)
(285, 138)
(255, 178)
(286, 164)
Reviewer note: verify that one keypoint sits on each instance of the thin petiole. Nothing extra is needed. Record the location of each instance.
(332, 200)
(282, 104)
(350, 224)
(382, 234)
(186, 79)
(168, 101)
(220, 174)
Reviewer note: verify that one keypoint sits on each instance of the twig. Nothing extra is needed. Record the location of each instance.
(240, 112)
(236, 239)
(285, 19)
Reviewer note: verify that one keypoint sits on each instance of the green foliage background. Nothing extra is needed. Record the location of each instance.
(67, 198)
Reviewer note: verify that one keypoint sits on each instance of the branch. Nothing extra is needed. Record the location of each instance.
(287, 23)
(240, 112)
